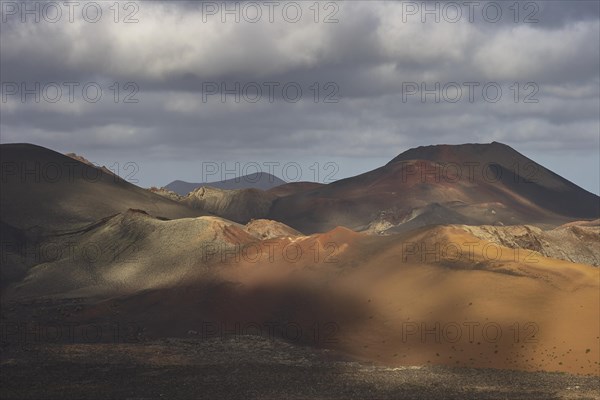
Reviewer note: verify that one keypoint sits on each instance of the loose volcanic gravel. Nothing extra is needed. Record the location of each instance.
(249, 367)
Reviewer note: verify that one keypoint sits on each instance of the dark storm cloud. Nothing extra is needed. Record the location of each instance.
(370, 59)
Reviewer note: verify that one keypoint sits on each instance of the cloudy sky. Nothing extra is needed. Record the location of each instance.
(331, 89)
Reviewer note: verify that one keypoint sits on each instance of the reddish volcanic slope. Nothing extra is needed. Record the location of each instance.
(468, 184)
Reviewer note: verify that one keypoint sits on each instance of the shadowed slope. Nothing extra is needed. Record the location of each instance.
(45, 189)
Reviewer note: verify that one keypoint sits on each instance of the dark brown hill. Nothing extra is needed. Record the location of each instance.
(43, 189)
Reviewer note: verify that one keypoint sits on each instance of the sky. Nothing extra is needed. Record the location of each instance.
(201, 91)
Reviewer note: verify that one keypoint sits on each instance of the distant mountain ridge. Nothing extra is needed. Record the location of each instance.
(259, 180)
(469, 184)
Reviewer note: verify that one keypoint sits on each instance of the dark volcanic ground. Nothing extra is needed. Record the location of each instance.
(250, 367)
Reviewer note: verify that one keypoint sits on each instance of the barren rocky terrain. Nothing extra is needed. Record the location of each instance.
(379, 286)
(256, 368)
